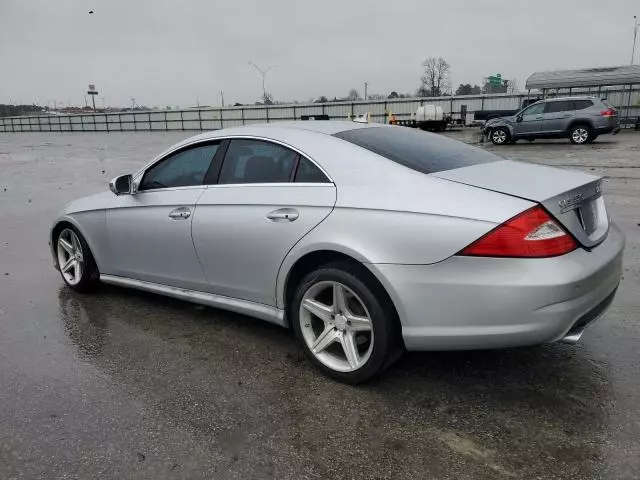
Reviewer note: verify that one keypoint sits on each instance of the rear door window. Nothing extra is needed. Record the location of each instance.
(307, 172)
(257, 161)
(418, 150)
(559, 106)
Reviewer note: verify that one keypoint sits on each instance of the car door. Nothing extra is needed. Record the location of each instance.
(557, 116)
(150, 231)
(266, 198)
(529, 122)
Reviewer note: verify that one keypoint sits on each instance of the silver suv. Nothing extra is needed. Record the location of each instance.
(581, 119)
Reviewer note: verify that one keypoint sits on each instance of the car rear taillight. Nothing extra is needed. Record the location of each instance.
(531, 234)
(609, 112)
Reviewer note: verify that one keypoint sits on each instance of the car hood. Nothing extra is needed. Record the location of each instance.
(511, 119)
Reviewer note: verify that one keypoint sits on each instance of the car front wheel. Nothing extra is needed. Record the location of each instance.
(579, 134)
(75, 261)
(500, 136)
(344, 323)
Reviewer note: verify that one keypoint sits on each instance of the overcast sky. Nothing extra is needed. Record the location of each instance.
(170, 52)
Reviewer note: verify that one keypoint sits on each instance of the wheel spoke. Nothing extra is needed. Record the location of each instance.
(359, 324)
(320, 310)
(326, 338)
(75, 243)
(67, 265)
(348, 341)
(66, 245)
(339, 300)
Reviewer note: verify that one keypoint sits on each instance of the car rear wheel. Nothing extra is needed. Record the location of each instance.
(500, 136)
(75, 261)
(579, 134)
(344, 323)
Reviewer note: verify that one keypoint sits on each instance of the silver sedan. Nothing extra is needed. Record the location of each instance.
(365, 239)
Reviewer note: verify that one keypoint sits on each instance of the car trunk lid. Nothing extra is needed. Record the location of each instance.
(573, 198)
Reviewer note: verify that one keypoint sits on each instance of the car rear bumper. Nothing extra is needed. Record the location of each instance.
(476, 303)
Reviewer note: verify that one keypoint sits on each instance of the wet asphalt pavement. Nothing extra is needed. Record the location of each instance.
(122, 384)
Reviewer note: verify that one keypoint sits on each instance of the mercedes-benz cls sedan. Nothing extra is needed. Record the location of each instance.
(365, 239)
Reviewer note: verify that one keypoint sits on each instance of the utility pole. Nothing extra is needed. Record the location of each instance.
(222, 96)
(264, 75)
(365, 90)
(635, 34)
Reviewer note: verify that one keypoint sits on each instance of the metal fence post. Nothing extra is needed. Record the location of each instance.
(294, 113)
(242, 113)
(221, 119)
(81, 123)
(267, 114)
(166, 122)
(39, 124)
(181, 120)
(199, 120)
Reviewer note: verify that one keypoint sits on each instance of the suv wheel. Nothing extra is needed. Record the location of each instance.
(579, 134)
(500, 136)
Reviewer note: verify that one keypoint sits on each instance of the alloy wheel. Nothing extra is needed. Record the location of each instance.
(580, 135)
(70, 257)
(499, 136)
(336, 326)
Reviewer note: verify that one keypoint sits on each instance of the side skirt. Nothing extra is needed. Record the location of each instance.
(258, 310)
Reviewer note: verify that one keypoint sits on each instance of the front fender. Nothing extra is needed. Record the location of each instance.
(92, 226)
(487, 129)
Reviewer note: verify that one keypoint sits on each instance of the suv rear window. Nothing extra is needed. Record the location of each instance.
(582, 104)
(418, 150)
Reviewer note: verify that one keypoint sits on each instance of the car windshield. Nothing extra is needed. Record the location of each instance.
(420, 151)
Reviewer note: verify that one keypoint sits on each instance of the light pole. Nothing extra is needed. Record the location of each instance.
(264, 75)
(635, 34)
(365, 90)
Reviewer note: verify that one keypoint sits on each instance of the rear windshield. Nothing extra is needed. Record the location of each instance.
(418, 150)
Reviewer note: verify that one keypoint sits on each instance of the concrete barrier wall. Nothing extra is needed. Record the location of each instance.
(215, 118)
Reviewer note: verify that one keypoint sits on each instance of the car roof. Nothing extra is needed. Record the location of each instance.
(573, 97)
(327, 127)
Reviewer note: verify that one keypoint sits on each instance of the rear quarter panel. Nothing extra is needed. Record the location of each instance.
(414, 219)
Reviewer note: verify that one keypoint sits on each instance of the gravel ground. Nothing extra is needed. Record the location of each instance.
(129, 385)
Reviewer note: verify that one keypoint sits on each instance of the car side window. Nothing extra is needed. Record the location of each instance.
(307, 172)
(182, 169)
(257, 161)
(559, 106)
(582, 104)
(534, 109)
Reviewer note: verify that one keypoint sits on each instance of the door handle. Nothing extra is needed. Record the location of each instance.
(283, 215)
(539, 117)
(180, 213)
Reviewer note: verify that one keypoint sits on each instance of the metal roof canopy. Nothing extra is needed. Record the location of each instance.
(587, 77)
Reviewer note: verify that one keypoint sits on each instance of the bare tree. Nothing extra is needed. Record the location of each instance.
(435, 78)
(267, 98)
(353, 95)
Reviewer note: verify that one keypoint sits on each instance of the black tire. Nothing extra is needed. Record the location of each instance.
(387, 340)
(90, 276)
(500, 136)
(530, 139)
(580, 134)
(592, 137)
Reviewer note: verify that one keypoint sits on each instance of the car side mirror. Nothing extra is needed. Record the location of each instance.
(519, 118)
(122, 185)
